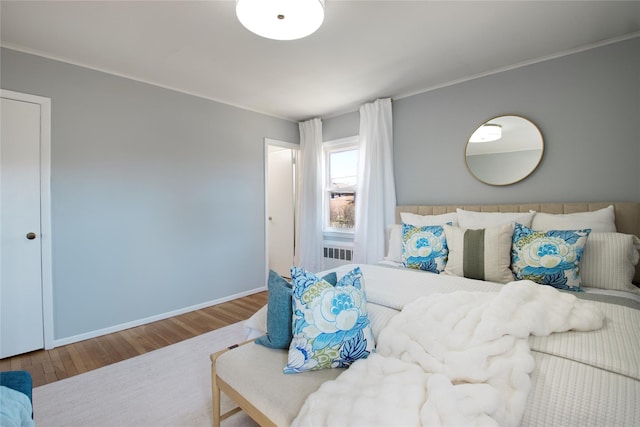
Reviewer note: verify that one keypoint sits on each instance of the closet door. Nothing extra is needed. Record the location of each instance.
(281, 207)
(21, 309)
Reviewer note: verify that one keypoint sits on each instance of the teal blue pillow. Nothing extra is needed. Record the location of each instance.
(279, 311)
(549, 257)
(424, 248)
(331, 327)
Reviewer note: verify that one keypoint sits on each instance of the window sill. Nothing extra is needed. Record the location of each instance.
(346, 236)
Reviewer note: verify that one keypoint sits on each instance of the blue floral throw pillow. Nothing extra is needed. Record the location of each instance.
(424, 248)
(549, 257)
(331, 326)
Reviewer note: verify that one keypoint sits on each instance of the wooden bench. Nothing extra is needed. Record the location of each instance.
(251, 376)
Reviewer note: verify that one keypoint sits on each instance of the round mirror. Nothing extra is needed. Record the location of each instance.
(504, 150)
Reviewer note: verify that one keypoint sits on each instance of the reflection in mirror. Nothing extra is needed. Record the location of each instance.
(504, 150)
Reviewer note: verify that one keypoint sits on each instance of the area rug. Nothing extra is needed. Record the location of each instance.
(166, 387)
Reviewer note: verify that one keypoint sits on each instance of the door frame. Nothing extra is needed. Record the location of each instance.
(45, 206)
(267, 143)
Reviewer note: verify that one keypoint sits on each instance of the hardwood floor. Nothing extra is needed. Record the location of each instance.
(47, 366)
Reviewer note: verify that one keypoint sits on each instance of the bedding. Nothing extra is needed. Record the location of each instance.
(330, 323)
(604, 358)
(278, 332)
(422, 220)
(601, 220)
(549, 257)
(483, 254)
(609, 261)
(626, 217)
(584, 377)
(599, 369)
(471, 219)
(394, 237)
(451, 359)
(424, 248)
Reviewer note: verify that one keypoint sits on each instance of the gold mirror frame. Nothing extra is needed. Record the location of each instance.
(504, 150)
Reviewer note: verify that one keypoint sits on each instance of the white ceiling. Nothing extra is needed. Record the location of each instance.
(363, 51)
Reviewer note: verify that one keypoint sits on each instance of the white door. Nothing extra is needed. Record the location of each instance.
(280, 208)
(21, 267)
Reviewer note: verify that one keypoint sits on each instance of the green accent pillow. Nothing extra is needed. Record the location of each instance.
(279, 311)
(482, 254)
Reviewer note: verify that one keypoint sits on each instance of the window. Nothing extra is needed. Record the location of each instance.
(341, 171)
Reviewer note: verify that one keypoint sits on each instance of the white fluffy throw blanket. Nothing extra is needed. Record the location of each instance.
(450, 359)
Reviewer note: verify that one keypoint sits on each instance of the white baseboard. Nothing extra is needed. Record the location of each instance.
(123, 326)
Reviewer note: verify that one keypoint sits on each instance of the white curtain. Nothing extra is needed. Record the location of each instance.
(308, 227)
(375, 193)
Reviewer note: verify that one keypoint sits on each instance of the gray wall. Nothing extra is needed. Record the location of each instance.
(587, 106)
(157, 196)
(341, 126)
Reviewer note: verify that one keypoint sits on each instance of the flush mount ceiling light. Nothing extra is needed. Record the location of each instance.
(281, 19)
(486, 133)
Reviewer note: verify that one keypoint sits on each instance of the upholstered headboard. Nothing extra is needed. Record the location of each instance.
(627, 213)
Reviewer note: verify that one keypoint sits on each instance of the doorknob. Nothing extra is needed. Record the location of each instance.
(31, 235)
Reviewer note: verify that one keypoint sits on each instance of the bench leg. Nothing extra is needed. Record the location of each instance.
(215, 395)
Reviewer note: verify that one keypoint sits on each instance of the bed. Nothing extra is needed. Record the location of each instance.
(463, 350)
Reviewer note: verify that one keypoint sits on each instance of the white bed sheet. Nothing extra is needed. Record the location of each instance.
(589, 290)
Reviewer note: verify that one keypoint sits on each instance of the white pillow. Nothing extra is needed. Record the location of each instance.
(609, 261)
(394, 251)
(602, 220)
(422, 220)
(476, 220)
(483, 254)
(256, 325)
